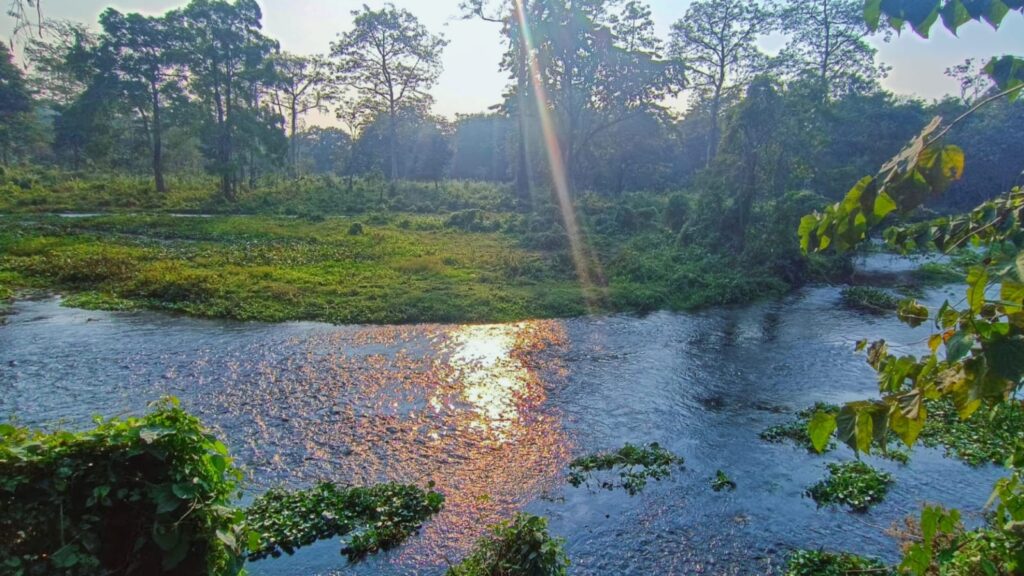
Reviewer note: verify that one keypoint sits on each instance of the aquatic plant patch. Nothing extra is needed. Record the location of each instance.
(987, 437)
(854, 484)
(819, 563)
(631, 467)
(377, 518)
(796, 430)
(521, 547)
(871, 300)
(722, 482)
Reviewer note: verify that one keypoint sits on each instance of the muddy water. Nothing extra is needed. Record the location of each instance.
(493, 415)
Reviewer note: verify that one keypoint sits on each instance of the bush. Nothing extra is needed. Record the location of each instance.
(676, 212)
(356, 229)
(521, 547)
(133, 497)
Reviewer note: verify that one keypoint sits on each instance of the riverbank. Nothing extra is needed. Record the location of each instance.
(392, 268)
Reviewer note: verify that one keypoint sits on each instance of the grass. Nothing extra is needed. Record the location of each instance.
(853, 484)
(371, 269)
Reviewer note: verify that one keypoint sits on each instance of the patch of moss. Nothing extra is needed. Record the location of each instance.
(854, 484)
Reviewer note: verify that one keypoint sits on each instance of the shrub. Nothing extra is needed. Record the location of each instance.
(521, 547)
(854, 484)
(676, 212)
(356, 229)
(135, 497)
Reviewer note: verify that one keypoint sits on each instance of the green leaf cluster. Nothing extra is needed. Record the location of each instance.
(854, 484)
(380, 517)
(139, 496)
(820, 563)
(799, 430)
(521, 547)
(635, 466)
(921, 15)
(722, 482)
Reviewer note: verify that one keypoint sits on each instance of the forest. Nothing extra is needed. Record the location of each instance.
(186, 167)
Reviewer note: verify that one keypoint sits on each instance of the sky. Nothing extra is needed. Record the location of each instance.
(472, 82)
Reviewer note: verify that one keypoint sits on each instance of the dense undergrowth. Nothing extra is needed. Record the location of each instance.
(316, 249)
(159, 495)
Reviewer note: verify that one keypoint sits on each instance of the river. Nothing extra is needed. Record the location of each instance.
(494, 414)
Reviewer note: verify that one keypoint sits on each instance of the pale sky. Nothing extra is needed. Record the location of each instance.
(472, 82)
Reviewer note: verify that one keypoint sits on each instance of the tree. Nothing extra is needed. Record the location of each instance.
(584, 77)
(716, 43)
(303, 84)
(325, 150)
(828, 42)
(146, 64)
(15, 104)
(227, 52)
(391, 60)
(59, 60)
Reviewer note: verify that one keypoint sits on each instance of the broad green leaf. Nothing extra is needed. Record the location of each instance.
(873, 13)
(1007, 72)
(908, 421)
(884, 205)
(977, 283)
(941, 166)
(820, 429)
(1012, 295)
(996, 12)
(1006, 357)
(959, 346)
(913, 313)
(807, 226)
(954, 15)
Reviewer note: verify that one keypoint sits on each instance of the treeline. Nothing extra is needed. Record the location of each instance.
(201, 89)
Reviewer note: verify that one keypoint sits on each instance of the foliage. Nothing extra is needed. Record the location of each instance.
(854, 484)
(872, 300)
(381, 517)
(149, 495)
(521, 547)
(922, 15)
(797, 429)
(722, 482)
(987, 438)
(635, 465)
(819, 563)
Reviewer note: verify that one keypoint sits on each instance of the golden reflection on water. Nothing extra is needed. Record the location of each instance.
(464, 406)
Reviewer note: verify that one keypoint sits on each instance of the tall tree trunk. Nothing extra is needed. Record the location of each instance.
(714, 131)
(294, 142)
(393, 146)
(158, 142)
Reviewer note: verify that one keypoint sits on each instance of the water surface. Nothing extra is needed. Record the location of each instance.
(493, 415)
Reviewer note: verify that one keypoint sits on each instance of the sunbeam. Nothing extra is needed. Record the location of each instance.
(586, 266)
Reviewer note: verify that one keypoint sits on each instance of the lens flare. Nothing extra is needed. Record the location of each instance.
(587, 269)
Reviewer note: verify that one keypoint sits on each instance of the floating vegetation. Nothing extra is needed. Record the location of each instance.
(521, 547)
(380, 517)
(854, 484)
(871, 300)
(722, 482)
(635, 466)
(796, 431)
(818, 563)
(989, 436)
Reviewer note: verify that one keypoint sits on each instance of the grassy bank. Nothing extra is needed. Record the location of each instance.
(396, 268)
